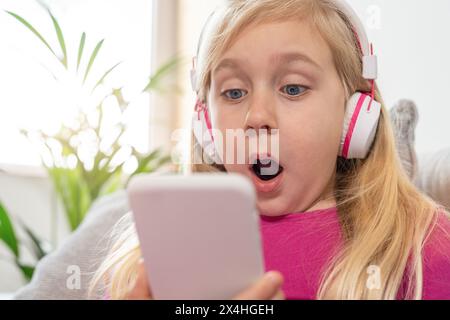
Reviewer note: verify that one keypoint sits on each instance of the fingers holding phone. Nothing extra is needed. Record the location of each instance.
(267, 288)
(141, 289)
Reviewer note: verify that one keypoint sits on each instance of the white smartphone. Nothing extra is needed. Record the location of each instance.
(199, 234)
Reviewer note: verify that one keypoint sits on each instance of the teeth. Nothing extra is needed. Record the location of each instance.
(265, 163)
(263, 159)
(267, 169)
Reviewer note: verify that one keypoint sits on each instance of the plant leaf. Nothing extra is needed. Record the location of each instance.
(33, 30)
(27, 270)
(113, 184)
(73, 191)
(99, 82)
(80, 49)
(144, 161)
(160, 73)
(37, 243)
(60, 36)
(149, 163)
(92, 59)
(7, 234)
(118, 95)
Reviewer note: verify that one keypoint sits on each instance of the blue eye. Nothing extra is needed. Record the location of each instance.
(234, 94)
(294, 90)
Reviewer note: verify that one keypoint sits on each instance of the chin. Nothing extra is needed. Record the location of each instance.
(271, 207)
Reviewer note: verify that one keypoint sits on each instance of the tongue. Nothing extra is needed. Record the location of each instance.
(266, 170)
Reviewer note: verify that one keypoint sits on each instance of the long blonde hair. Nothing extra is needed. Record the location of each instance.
(384, 219)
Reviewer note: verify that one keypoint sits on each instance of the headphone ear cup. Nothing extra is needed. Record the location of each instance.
(360, 125)
(202, 129)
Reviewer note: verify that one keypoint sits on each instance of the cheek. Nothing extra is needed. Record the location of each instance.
(236, 168)
(228, 118)
(231, 121)
(310, 153)
(310, 142)
(316, 128)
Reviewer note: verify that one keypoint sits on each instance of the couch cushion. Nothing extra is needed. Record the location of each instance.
(434, 176)
(404, 118)
(84, 250)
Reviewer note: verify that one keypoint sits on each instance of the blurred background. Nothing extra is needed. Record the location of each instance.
(91, 92)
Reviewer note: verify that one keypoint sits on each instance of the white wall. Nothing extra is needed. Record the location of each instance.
(412, 41)
(413, 44)
(32, 99)
(28, 194)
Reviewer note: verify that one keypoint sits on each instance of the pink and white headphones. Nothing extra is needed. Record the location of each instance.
(362, 111)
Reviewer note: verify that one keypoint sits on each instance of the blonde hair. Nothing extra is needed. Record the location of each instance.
(384, 219)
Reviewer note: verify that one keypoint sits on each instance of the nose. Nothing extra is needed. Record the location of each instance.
(261, 114)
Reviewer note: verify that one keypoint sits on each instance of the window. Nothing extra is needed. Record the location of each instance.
(32, 99)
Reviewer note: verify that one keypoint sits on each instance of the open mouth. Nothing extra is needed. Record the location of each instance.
(266, 169)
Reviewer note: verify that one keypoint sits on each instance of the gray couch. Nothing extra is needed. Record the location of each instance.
(82, 252)
(87, 247)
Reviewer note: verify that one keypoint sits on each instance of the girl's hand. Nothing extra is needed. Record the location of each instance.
(267, 288)
(141, 289)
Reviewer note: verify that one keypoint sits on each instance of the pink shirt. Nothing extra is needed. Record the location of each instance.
(300, 245)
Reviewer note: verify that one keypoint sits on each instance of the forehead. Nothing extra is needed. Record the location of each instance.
(277, 43)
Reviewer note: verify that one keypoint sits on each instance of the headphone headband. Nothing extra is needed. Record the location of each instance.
(370, 65)
(369, 61)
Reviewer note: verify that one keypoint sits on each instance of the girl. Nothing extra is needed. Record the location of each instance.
(333, 226)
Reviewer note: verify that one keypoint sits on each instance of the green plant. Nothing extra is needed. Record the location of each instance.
(79, 180)
(9, 237)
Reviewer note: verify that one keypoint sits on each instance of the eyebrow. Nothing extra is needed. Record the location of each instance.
(228, 64)
(283, 58)
(290, 57)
